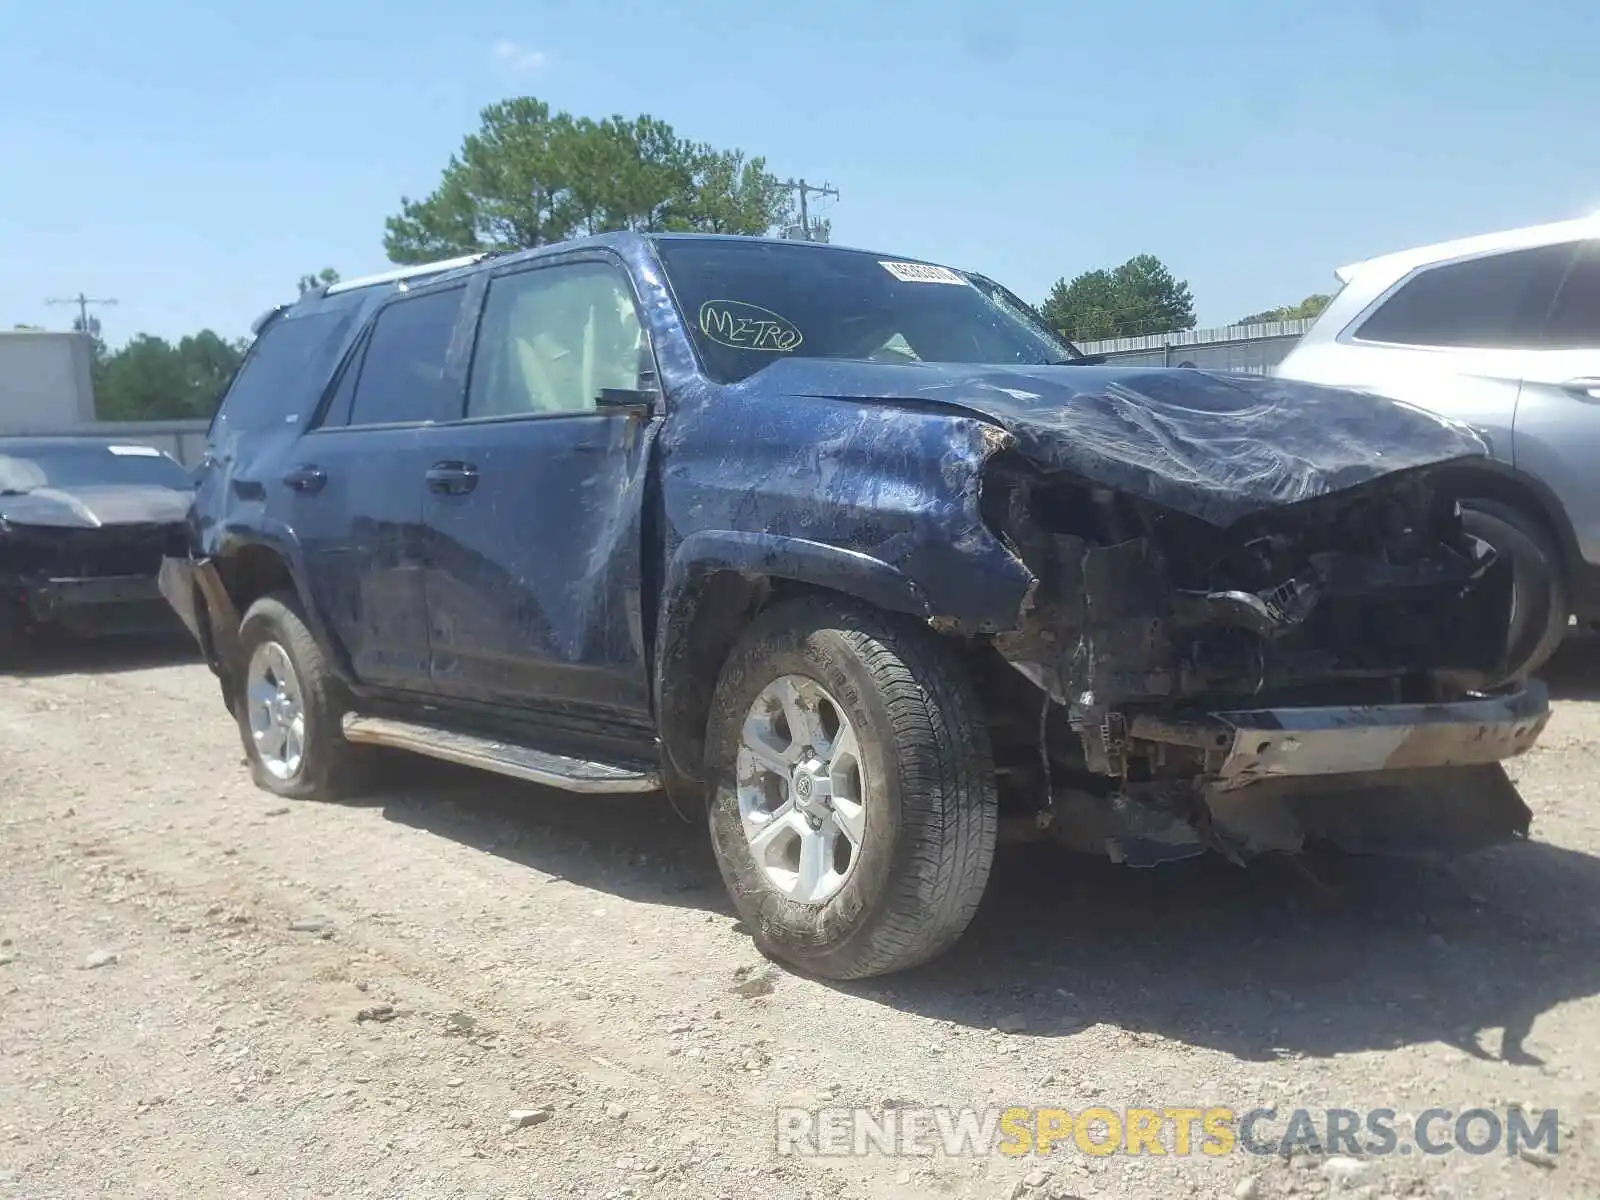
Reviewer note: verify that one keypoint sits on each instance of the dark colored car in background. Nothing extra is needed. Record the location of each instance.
(853, 553)
(84, 525)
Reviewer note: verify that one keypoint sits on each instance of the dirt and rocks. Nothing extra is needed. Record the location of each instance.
(462, 987)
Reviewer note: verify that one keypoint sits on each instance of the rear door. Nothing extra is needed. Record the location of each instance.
(534, 500)
(354, 487)
(1558, 411)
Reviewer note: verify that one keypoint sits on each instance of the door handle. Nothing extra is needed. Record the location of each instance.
(308, 478)
(452, 478)
(1587, 388)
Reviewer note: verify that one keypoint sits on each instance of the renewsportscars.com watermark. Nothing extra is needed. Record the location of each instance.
(1178, 1131)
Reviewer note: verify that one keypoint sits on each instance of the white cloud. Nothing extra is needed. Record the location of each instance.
(519, 57)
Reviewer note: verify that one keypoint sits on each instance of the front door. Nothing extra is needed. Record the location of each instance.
(354, 490)
(533, 503)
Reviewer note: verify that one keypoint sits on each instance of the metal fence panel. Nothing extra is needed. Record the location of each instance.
(1238, 349)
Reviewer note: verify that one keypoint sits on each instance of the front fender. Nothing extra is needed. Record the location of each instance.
(775, 556)
(700, 620)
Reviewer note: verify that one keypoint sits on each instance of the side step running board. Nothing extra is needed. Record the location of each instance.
(503, 758)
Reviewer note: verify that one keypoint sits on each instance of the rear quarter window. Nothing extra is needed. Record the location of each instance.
(286, 371)
(1575, 319)
(1498, 301)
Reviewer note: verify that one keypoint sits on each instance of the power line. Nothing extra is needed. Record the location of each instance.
(83, 303)
(805, 189)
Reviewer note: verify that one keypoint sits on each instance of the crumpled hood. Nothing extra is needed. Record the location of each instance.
(1217, 447)
(94, 507)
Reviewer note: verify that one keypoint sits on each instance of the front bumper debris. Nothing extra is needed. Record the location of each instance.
(193, 589)
(1248, 747)
(176, 583)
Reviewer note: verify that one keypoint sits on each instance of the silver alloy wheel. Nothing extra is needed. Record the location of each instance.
(276, 710)
(802, 789)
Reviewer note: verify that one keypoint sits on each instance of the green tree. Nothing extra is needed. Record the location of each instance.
(151, 379)
(1140, 297)
(323, 278)
(528, 177)
(1311, 306)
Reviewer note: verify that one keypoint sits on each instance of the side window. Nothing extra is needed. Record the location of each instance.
(286, 372)
(337, 414)
(1495, 302)
(1575, 320)
(403, 376)
(551, 338)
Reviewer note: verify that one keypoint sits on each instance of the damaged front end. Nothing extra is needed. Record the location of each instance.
(87, 580)
(1332, 669)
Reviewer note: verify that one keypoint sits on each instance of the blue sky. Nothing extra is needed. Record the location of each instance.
(193, 159)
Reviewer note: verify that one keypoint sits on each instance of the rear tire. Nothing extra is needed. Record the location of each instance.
(897, 749)
(290, 706)
(1539, 605)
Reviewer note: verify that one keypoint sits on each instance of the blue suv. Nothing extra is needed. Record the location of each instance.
(854, 554)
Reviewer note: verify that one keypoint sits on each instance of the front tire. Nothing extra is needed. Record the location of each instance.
(1539, 604)
(852, 791)
(288, 706)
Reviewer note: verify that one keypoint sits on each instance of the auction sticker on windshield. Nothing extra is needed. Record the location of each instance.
(741, 326)
(910, 272)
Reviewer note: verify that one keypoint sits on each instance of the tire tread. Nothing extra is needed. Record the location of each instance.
(335, 768)
(949, 806)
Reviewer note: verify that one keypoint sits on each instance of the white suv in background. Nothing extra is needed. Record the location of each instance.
(1500, 332)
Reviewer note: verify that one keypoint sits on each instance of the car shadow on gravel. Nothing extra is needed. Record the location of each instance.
(636, 847)
(1314, 956)
(50, 653)
(1574, 672)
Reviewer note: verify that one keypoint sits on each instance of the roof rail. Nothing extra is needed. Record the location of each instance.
(402, 273)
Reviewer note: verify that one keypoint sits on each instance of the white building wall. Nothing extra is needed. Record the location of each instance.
(45, 385)
(46, 388)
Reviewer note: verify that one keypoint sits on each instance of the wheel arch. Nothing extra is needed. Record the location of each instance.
(247, 569)
(1503, 484)
(716, 583)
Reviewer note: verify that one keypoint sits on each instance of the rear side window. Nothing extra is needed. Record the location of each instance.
(288, 367)
(404, 376)
(1575, 320)
(1496, 302)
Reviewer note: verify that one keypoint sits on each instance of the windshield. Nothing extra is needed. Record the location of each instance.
(95, 465)
(748, 304)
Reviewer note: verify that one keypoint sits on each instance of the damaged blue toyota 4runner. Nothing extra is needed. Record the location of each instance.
(858, 557)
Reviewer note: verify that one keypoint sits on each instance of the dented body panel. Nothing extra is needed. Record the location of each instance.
(1143, 558)
(1215, 447)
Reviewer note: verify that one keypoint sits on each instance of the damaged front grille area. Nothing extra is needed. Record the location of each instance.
(1251, 688)
(48, 552)
(1376, 594)
(88, 554)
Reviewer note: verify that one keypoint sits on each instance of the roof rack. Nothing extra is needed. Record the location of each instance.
(402, 273)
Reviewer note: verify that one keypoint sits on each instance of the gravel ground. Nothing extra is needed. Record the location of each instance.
(207, 992)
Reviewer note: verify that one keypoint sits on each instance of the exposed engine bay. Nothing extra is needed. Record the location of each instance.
(1252, 687)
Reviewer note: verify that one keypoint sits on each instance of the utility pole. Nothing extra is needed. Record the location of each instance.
(83, 303)
(805, 189)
